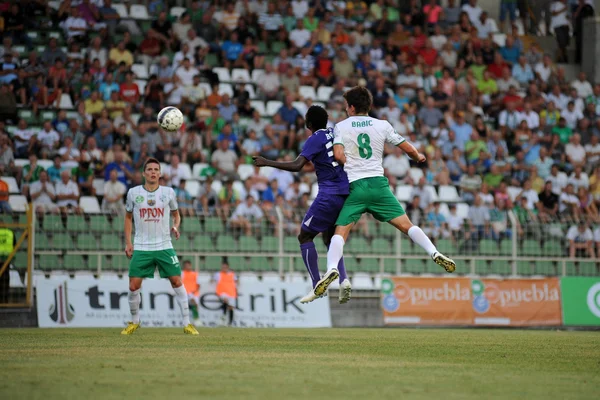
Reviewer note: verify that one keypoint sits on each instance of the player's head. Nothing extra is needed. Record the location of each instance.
(358, 101)
(224, 265)
(316, 118)
(187, 265)
(152, 170)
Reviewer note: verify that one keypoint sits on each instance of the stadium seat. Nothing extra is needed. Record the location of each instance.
(192, 187)
(226, 243)
(139, 11)
(269, 244)
(257, 74)
(21, 162)
(98, 184)
(489, 247)
(290, 244)
(217, 185)
(324, 93)
(408, 247)
(121, 9)
(55, 5)
(110, 242)
(61, 241)
(13, 186)
(506, 247)
(307, 92)
(120, 262)
(357, 245)
(177, 11)
(403, 192)
(462, 210)
(223, 74)
(141, 85)
(259, 106)
(413, 266)
(73, 262)
(99, 223)
(513, 192)
(76, 223)
(448, 193)
(314, 191)
(272, 107)
(89, 204)
(238, 186)
(387, 230)
(250, 89)
(226, 88)
(65, 102)
(240, 75)
(88, 241)
(260, 263)
(248, 244)
(370, 265)
(245, 171)
(362, 281)
(415, 174)
(17, 202)
(381, 246)
(553, 248)
(276, 47)
(140, 71)
(531, 248)
(300, 106)
(197, 170)
(433, 192)
(14, 279)
(202, 243)
(191, 226)
(213, 225)
(499, 39)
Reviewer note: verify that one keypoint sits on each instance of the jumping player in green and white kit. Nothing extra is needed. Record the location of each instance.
(149, 207)
(358, 144)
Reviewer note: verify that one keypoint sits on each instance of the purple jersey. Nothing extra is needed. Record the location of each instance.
(330, 175)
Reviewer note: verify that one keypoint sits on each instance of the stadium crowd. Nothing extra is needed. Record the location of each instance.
(495, 116)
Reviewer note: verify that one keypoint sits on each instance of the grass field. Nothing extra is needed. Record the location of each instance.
(299, 364)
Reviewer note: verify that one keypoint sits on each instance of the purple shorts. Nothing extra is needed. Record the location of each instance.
(323, 212)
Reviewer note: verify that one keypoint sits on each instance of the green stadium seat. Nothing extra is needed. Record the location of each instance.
(408, 247)
(349, 261)
(6, 219)
(105, 260)
(212, 60)
(298, 265)
(88, 241)
(183, 244)
(74, 262)
(20, 260)
(588, 269)
(489, 247)
(47, 115)
(553, 248)
(99, 223)
(226, 243)
(357, 245)
(445, 246)
(319, 245)
(236, 263)
(389, 265)
(249, 244)
(119, 262)
(213, 225)
(211, 263)
(413, 266)
(382, 246)
(547, 268)
(62, 241)
(500, 267)
(262, 47)
(48, 262)
(27, 115)
(531, 248)
(269, 244)
(112, 242)
(42, 242)
(203, 243)
(525, 268)
(22, 219)
(260, 264)
(191, 226)
(506, 247)
(276, 47)
(53, 224)
(290, 245)
(76, 223)
(370, 265)
(387, 230)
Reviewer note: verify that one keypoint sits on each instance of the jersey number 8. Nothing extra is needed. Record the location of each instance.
(364, 146)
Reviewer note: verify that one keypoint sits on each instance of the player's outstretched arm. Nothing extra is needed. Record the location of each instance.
(412, 152)
(292, 166)
(338, 153)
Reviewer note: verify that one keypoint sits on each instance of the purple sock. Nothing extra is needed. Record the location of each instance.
(311, 261)
(342, 270)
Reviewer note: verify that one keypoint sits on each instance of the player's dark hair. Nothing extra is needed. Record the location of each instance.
(359, 97)
(316, 118)
(151, 161)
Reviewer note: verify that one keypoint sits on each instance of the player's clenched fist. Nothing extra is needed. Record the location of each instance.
(129, 250)
(259, 161)
(175, 233)
(421, 158)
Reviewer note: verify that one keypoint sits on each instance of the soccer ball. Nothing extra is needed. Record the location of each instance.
(170, 119)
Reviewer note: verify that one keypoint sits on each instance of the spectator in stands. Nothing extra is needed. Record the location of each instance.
(224, 160)
(124, 170)
(184, 199)
(5, 207)
(478, 220)
(396, 167)
(470, 184)
(581, 241)
(43, 194)
(55, 170)
(175, 172)
(7, 158)
(246, 216)
(67, 194)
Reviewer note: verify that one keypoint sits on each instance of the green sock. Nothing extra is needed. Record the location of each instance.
(194, 310)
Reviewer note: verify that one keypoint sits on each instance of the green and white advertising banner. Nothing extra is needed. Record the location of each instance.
(580, 301)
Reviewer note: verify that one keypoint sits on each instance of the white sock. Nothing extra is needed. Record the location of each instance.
(134, 305)
(335, 253)
(182, 299)
(420, 238)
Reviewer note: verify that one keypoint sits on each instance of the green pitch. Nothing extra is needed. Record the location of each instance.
(299, 364)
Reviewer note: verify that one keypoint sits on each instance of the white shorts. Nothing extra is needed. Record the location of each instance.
(227, 299)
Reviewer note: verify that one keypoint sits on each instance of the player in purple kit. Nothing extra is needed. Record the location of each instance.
(333, 190)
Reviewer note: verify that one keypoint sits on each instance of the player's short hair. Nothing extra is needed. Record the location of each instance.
(151, 161)
(359, 97)
(316, 118)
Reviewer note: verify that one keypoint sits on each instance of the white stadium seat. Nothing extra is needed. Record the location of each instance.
(139, 11)
(225, 88)
(403, 192)
(513, 192)
(197, 170)
(324, 93)
(245, 171)
(272, 107)
(307, 92)
(141, 86)
(21, 162)
(240, 74)
(13, 186)
(238, 186)
(65, 102)
(192, 187)
(266, 172)
(462, 210)
(304, 188)
(98, 184)
(140, 71)
(444, 210)
(257, 74)
(300, 106)
(121, 9)
(448, 193)
(314, 190)
(15, 279)
(177, 11)
(434, 194)
(186, 169)
(361, 280)
(250, 89)
(259, 106)
(216, 186)
(206, 87)
(222, 73)
(17, 202)
(415, 174)
(89, 204)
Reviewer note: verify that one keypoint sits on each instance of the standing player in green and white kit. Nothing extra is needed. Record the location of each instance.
(149, 206)
(358, 144)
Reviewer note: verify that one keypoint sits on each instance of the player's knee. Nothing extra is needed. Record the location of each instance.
(305, 236)
(133, 286)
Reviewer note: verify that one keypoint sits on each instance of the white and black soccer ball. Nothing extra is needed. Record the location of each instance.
(170, 119)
